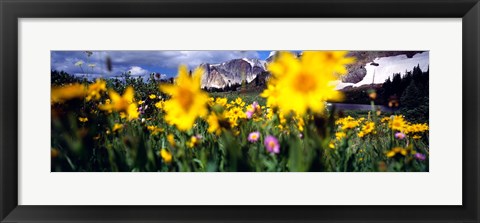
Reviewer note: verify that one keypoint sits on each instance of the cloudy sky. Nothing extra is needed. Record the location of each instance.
(141, 63)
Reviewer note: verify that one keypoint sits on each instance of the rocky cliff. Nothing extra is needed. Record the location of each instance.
(231, 72)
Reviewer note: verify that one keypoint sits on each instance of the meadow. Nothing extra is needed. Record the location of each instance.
(134, 125)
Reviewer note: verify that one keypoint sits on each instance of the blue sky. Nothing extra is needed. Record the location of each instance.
(141, 63)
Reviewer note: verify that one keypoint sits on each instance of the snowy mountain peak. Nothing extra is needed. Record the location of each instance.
(252, 64)
(255, 62)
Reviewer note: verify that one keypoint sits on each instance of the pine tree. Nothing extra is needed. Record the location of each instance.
(410, 96)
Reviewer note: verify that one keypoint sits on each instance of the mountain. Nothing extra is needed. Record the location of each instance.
(231, 72)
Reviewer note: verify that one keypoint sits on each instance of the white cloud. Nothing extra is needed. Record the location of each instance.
(138, 71)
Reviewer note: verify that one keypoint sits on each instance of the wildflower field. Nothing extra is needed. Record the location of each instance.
(106, 125)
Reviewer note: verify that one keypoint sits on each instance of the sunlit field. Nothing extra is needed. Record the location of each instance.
(294, 123)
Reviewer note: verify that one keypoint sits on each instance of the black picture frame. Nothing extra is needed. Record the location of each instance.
(12, 10)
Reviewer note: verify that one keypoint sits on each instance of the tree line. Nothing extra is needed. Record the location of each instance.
(408, 91)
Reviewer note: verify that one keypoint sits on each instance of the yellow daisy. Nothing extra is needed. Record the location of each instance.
(123, 104)
(304, 83)
(187, 100)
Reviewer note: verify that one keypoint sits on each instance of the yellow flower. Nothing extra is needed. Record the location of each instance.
(335, 61)
(416, 128)
(341, 121)
(281, 118)
(83, 119)
(348, 123)
(221, 101)
(390, 154)
(65, 93)
(351, 125)
(141, 102)
(211, 101)
(385, 119)
(305, 83)
(117, 127)
(269, 114)
(152, 96)
(397, 123)
(331, 145)
(271, 94)
(154, 129)
(132, 112)
(216, 123)
(281, 65)
(95, 89)
(300, 123)
(340, 135)
(122, 103)
(171, 140)
(239, 102)
(395, 151)
(235, 113)
(367, 129)
(166, 155)
(416, 137)
(159, 104)
(193, 142)
(187, 100)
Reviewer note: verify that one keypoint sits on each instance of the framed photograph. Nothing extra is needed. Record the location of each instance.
(265, 111)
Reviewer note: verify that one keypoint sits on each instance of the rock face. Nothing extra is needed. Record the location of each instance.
(231, 72)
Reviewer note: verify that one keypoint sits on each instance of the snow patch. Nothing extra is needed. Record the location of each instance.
(252, 64)
(272, 53)
(387, 67)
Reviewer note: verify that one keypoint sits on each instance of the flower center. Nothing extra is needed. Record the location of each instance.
(185, 98)
(271, 144)
(122, 105)
(329, 56)
(304, 83)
